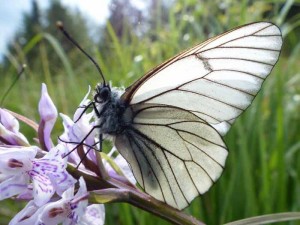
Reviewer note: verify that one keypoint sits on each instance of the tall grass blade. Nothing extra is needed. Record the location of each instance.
(267, 219)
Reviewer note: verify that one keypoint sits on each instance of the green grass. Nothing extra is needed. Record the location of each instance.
(262, 170)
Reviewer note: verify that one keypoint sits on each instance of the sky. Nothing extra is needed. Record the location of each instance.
(11, 14)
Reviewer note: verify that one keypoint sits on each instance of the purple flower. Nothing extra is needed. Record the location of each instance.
(14, 165)
(68, 210)
(76, 130)
(122, 164)
(26, 176)
(94, 215)
(23, 173)
(52, 170)
(48, 113)
(9, 130)
(9, 121)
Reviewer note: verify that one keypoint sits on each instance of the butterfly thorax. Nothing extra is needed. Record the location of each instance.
(109, 115)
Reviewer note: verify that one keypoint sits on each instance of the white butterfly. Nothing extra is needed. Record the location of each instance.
(169, 124)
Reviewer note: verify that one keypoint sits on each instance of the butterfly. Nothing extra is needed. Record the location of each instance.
(169, 124)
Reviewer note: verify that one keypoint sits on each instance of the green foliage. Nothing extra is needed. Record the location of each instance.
(263, 167)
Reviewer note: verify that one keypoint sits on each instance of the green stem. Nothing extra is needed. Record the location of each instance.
(13, 84)
(145, 202)
(111, 190)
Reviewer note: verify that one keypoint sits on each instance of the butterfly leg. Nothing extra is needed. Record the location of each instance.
(82, 141)
(100, 142)
(86, 107)
(98, 114)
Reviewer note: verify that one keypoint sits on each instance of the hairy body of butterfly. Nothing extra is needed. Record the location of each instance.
(110, 110)
(169, 124)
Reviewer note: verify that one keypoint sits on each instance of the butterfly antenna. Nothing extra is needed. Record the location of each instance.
(21, 71)
(60, 26)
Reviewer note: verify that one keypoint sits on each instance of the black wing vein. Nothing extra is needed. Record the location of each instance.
(145, 156)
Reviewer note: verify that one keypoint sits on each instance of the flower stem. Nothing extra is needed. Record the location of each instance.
(124, 193)
(111, 190)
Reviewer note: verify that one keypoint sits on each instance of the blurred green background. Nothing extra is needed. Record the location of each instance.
(263, 168)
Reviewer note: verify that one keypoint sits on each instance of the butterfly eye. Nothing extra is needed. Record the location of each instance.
(102, 95)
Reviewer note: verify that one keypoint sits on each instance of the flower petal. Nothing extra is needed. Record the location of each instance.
(94, 215)
(48, 113)
(27, 216)
(4, 176)
(79, 203)
(67, 210)
(10, 138)
(9, 121)
(54, 213)
(50, 214)
(82, 189)
(76, 132)
(27, 194)
(43, 189)
(49, 175)
(23, 155)
(60, 178)
(124, 166)
(13, 186)
(84, 102)
(61, 181)
(73, 135)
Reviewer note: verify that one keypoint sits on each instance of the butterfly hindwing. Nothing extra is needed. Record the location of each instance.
(174, 155)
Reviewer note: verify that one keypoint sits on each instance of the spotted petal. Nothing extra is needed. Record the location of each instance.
(13, 185)
(24, 155)
(94, 215)
(27, 216)
(49, 175)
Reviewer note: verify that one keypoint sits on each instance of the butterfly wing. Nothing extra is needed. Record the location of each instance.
(216, 80)
(179, 110)
(174, 155)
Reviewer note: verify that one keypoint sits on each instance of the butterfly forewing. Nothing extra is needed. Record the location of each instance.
(218, 79)
(180, 110)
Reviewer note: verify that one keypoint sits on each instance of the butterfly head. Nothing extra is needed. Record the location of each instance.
(103, 93)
